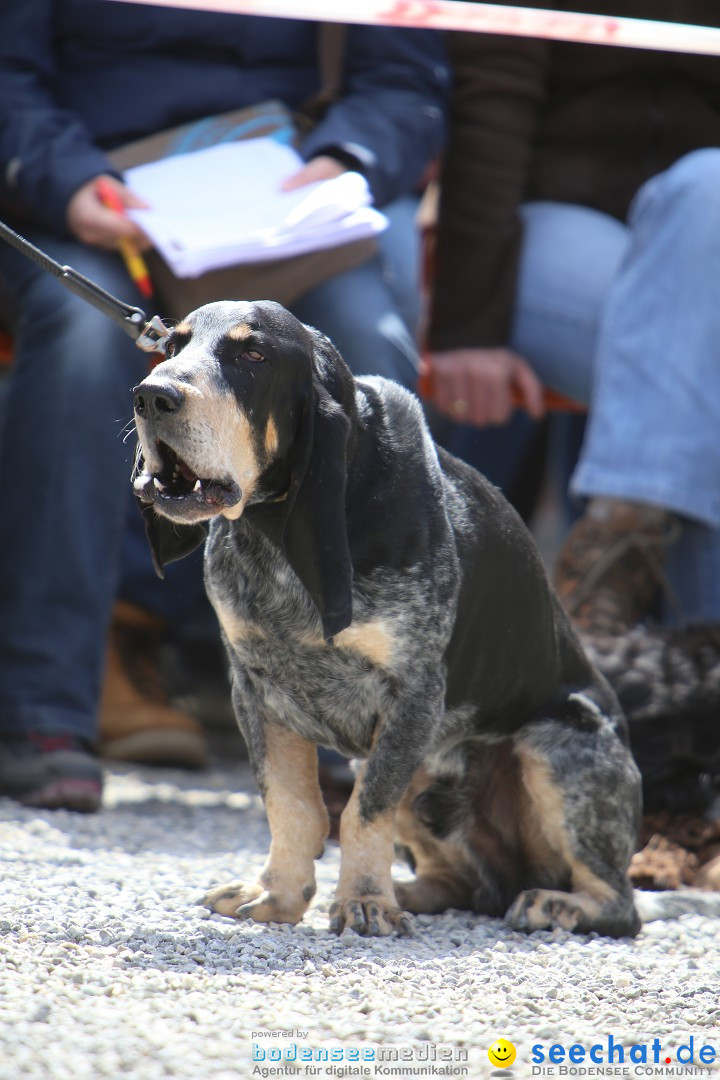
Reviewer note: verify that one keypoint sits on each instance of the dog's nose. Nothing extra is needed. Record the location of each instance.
(152, 401)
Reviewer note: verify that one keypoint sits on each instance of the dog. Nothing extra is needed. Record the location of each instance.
(379, 597)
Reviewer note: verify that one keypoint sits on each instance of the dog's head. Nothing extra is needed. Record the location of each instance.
(250, 407)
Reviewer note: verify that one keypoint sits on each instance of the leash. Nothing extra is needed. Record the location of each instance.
(148, 334)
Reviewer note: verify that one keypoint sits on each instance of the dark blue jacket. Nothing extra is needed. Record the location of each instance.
(78, 77)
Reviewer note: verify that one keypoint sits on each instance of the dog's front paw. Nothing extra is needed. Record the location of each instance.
(228, 899)
(369, 915)
(254, 901)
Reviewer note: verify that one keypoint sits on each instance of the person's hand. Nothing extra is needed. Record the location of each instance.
(94, 223)
(481, 386)
(320, 168)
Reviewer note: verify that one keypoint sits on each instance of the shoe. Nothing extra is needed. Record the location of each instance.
(52, 772)
(610, 574)
(138, 723)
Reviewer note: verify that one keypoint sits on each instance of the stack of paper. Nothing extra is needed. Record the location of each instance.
(223, 206)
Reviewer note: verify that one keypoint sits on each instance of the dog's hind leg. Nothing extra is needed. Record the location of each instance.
(288, 779)
(579, 821)
(443, 876)
(462, 828)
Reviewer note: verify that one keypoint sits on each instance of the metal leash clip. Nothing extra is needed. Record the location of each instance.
(152, 336)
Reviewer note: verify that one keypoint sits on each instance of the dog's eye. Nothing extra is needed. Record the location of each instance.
(253, 356)
(170, 349)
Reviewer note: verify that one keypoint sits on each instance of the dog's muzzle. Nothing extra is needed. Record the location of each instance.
(161, 475)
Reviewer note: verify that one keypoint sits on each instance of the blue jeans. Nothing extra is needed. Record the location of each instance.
(372, 313)
(68, 541)
(626, 317)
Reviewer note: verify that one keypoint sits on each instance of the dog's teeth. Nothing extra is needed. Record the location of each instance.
(159, 484)
(198, 486)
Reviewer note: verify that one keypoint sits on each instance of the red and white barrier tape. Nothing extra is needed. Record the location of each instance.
(485, 18)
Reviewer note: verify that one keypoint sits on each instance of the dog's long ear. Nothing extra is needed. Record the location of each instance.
(315, 537)
(169, 541)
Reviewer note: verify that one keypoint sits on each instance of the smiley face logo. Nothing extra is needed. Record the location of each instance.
(501, 1053)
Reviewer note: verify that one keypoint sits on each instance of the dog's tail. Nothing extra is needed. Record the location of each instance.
(653, 906)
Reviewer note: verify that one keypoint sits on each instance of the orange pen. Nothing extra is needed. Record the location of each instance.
(136, 266)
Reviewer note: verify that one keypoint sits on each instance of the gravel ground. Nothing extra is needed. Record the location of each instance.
(109, 968)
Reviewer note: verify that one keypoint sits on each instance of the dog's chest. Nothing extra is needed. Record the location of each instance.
(330, 694)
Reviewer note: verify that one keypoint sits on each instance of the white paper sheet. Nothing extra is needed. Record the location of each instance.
(223, 206)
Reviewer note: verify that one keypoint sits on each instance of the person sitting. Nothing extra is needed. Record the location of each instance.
(77, 80)
(578, 248)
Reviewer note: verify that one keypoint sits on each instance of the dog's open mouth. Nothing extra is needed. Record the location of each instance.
(177, 486)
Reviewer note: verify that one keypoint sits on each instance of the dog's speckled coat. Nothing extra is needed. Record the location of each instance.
(379, 597)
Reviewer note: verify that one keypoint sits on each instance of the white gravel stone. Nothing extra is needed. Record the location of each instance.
(108, 967)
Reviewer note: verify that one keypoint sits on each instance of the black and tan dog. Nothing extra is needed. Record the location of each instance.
(379, 597)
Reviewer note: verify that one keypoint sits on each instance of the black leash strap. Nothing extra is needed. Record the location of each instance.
(148, 334)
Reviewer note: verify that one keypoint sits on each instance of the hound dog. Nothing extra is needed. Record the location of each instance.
(379, 597)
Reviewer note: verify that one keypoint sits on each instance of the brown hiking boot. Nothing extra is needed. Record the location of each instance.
(610, 572)
(137, 721)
